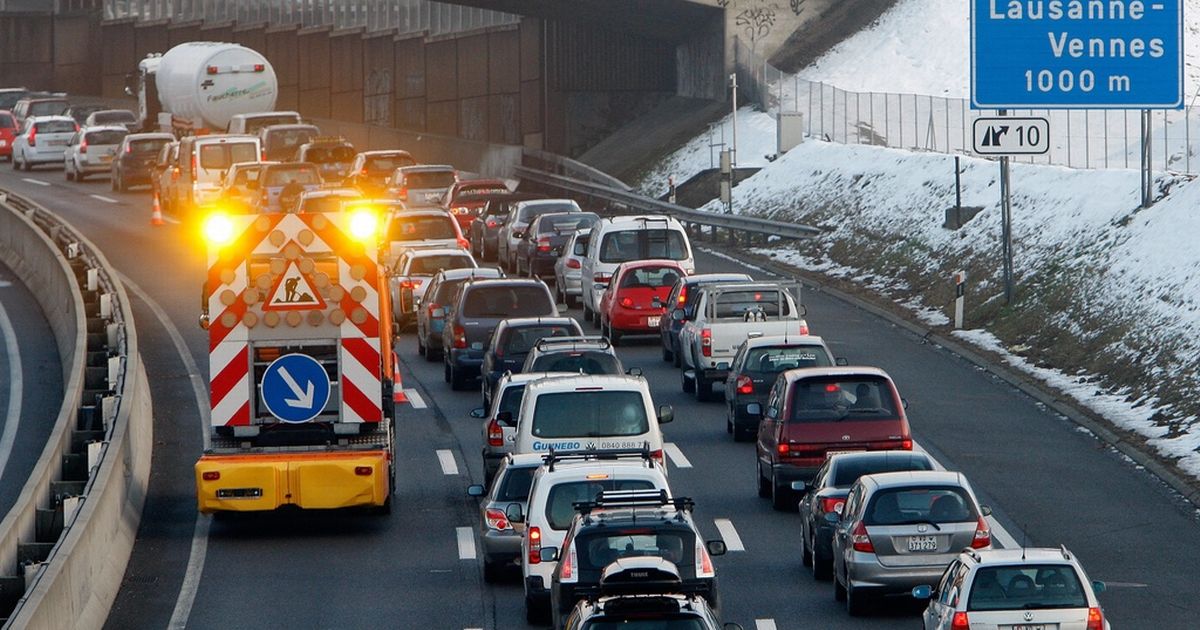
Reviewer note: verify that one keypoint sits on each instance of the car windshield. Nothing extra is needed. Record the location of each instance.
(527, 213)
(650, 278)
(108, 136)
(423, 180)
(507, 301)
(850, 398)
(517, 482)
(282, 144)
(674, 545)
(920, 504)
(666, 621)
(635, 244)
(422, 228)
(773, 360)
(587, 362)
(1026, 587)
(847, 472)
(328, 155)
(220, 155)
(560, 503)
(386, 164)
(750, 304)
(148, 146)
(55, 126)
(520, 340)
(589, 414)
(114, 117)
(47, 108)
(303, 175)
(510, 401)
(429, 265)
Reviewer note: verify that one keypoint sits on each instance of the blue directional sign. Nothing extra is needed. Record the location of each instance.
(1062, 54)
(295, 388)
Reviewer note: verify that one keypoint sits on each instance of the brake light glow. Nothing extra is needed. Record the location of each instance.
(83, 145)
(960, 622)
(627, 302)
(496, 520)
(783, 448)
(682, 299)
(745, 385)
(594, 476)
(535, 545)
(1095, 619)
(403, 194)
(492, 223)
(832, 388)
(803, 327)
(657, 456)
(543, 243)
(704, 564)
(983, 535)
(411, 283)
(129, 148)
(363, 471)
(706, 342)
(33, 136)
(211, 475)
(862, 542)
(212, 69)
(832, 504)
(459, 336)
(463, 243)
(495, 434)
(906, 445)
(573, 263)
(567, 566)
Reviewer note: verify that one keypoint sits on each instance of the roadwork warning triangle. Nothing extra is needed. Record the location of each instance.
(293, 291)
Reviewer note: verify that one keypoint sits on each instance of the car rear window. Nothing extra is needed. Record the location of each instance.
(468, 191)
(108, 136)
(388, 163)
(847, 472)
(585, 361)
(520, 340)
(649, 278)
(7, 121)
(324, 203)
(55, 126)
(221, 155)
(429, 265)
(447, 290)
(254, 123)
(422, 228)
(282, 144)
(920, 504)
(508, 301)
(510, 401)
(327, 155)
(104, 118)
(47, 108)
(595, 552)
(638, 621)
(581, 244)
(303, 175)
(628, 245)
(150, 145)
(527, 213)
(516, 484)
(565, 223)
(561, 500)
(824, 399)
(421, 180)
(589, 414)
(751, 303)
(773, 360)
(1026, 587)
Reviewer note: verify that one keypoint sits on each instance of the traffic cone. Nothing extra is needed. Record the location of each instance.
(398, 395)
(156, 217)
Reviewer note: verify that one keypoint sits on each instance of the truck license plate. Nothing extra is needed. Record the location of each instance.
(922, 543)
(652, 322)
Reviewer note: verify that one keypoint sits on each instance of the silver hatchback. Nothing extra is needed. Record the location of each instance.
(508, 498)
(43, 140)
(899, 530)
(92, 150)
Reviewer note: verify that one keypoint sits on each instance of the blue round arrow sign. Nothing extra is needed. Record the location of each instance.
(295, 388)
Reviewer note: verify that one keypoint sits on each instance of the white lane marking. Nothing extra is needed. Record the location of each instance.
(199, 548)
(446, 459)
(104, 199)
(415, 399)
(12, 419)
(676, 455)
(466, 543)
(1000, 534)
(1125, 584)
(764, 624)
(171, 220)
(35, 181)
(733, 542)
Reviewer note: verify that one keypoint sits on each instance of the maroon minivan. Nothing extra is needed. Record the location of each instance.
(812, 413)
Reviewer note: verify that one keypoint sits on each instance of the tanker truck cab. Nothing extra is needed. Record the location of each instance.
(203, 163)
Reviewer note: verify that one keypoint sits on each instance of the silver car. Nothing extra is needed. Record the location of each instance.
(499, 533)
(568, 274)
(92, 150)
(900, 530)
(421, 186)
(500, 421)
(43, 140)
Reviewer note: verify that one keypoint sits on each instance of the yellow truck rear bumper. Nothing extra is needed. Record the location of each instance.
(312, 481)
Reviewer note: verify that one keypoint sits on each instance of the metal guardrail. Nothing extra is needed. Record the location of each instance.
(733, 222)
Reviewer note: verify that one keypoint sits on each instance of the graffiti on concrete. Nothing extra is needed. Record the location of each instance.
(377, 97)
(798, 6)
(754, 19)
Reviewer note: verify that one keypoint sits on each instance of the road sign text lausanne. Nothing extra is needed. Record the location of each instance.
(1060, 54)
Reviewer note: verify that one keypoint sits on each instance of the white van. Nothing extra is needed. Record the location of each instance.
(564, 480)
(252, 123)
(203, 163)
(619, 239)
(590, 412)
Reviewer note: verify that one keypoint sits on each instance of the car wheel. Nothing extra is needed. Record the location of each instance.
(16, 166)
(79, 175)
(728, 425)
(703, 388)
(112, 182)
(856, 601)
(432, 353)
(806, 557)
(781, 497)
(821, 569)
(614, 337)
(587, 313)
(458, 381)
(689, 386)
(743, 435)
(121, 185)
(421, 345)
(764, 484)
(26, 165)
(446, 372)
(839, 591)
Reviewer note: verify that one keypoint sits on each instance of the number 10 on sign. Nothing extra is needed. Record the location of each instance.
(1008, 135)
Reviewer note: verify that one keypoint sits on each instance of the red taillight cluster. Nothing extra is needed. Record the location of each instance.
(573, 263)
(430, 308)
(33, 136)
(543, 243)
(496, 520)
(832, 505)
(682, 299)
(803, 327)
(463, 243)
(627, 302)
(83, 145)
(704, 564)
(459, 337)
(411, 283)
(535, 545)
(495, 433)
(602, 278)
(657, 456)
(960, 622)
(860, 539)
(491, 223)
(706, 342)
(745, 385)
(403, 194)
(211, 475)
(983, 535)
(566, 567)
(1095, 619)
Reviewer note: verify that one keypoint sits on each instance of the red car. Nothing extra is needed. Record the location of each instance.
(464, 199)
(635, 300)
(8, 132)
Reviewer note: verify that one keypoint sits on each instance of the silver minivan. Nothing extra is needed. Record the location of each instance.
(91, 151)
(43, 140)
(899, 530)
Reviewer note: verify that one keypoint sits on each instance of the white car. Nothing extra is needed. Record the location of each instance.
(42, 140)
(564, 480)
(91, 151)
(413, 271)
(995, 589)
(619, 239)
(568, 288)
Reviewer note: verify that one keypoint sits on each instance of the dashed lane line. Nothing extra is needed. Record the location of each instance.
(104, 199)
(35, 181)
(466, 543)
(414, 399)
(729, 534)
(676, 455)
(764, 624)
(446, 459)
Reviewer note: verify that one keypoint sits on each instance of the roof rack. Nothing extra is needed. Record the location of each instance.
(553, 457)
(1065, 554)
(598, 340)
(634, 498)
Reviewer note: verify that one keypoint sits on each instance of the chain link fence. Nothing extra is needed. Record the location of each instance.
(407, 16)
(1090, 139)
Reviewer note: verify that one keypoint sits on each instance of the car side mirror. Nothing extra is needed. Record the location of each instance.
(923, 591)
(802, 309)
(715, 547)
(1099, 586)
(841, 361)
(904, 402)
(833, 518)
(754, 409)
(634, 371)
(665, 414)
(562, 308)
(723, 365)
(478, 413)
(549, 554)
(476, 490)
(677, 315)
(513, 513)
(985, 510)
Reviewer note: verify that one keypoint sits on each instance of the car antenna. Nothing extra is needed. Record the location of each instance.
(1024, 541)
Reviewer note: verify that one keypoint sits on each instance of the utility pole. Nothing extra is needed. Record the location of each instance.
(733, 100)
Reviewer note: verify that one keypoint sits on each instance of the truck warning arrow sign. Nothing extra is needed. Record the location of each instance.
(295, 388)
(1006, 135)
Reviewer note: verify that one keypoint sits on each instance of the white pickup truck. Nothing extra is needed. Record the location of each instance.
(727, 314)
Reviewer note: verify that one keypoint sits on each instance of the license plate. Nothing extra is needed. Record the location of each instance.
(57, 143)
(107, 159)
(922, 543)
(829, 454)
(478, 345)
(1033, 626)
(652, 322)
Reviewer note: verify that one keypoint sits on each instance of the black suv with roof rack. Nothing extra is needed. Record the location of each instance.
(645, 592)
(585, 354)
(624, 526)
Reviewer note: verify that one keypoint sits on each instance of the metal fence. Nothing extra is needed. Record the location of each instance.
(408, 16)
(1078, 138)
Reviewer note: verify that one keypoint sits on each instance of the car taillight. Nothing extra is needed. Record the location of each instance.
(745, 385)
(567, 566)
(129, 148)
(411, 283)
(212, 69)
(495, 433)
(83, 146)
(430, 308)
(704, 564)
(657, 456)
(543, 244)
(496, 519)
(194, 164)
(33, 136)
(573, 263)
(860, 539)
(175, 176)
(403, 194)
(682, 299)
(706, 342)
(906, 445)
(1095, 619)
(803, 327)
(602, 278)
(627, 302)
(960, 622)
(491, 223)
(535, 545)
(463, 243)
(211, 475)
(460, 337)
(783, 448)
(983, 535)
(832, 505)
